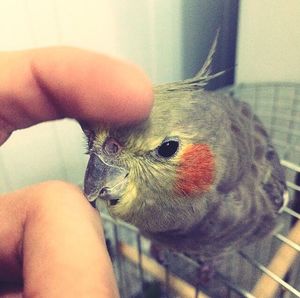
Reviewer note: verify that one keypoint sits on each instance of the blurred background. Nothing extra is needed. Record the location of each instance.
(169, 39)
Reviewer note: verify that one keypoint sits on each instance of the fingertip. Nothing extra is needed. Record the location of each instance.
(123, 92)
(69, 245)
(60, 82)
(94, 87)
(138, 93)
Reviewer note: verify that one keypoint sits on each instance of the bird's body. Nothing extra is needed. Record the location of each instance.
(221, 190)
(243, 181)
(200, 175)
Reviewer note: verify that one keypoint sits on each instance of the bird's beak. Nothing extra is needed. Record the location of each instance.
(103, 180)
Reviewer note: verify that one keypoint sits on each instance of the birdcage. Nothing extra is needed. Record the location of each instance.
(270, 268)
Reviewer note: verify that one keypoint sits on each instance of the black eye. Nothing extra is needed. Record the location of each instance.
(168, 148)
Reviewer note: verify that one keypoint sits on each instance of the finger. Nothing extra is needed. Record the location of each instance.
(62, 245)
(51, 83)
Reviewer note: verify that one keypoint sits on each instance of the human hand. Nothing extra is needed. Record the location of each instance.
(51, 240)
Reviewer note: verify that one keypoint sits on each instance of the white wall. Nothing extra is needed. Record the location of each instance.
(269, 41)
(146, 32)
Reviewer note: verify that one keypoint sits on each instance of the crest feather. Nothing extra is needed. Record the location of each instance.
(201, 79)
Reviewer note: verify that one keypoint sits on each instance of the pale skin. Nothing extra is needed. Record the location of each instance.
(51, 239)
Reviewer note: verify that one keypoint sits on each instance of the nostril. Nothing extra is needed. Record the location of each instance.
(112, 147)
(103, 192)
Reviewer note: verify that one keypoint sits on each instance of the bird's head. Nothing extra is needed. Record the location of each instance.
(161, 175)
(157, 174)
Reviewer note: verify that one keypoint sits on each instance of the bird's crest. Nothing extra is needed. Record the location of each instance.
(201, 79)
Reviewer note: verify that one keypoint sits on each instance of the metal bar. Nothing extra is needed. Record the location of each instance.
(268, 115)
(229, 283)
(273, 248)
(291, 212)
(265, 270)
(191, 261)
(120, 223)
(267, 84)
(260, 254)
(234, 287)
(179, 286)
(122, 286)
(140, 261)
(296, 277)
(293, 120)
(283, 108)
(278, 142)
(108, 218)
(265, 113)
(276, 128)
(293, 186)
(278, 267)
(288, 242)
(167, 279)
(273, 109)
(127, 226)
(255, 98)
(290, 165)
(196, 291)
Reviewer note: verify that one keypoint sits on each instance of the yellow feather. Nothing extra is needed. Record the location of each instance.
(128, 198)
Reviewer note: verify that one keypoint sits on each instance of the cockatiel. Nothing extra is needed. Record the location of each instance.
(199, 176)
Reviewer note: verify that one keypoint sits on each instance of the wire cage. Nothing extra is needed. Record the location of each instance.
(269, 268)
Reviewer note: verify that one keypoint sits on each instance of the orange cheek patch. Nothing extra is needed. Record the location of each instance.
(196, 170)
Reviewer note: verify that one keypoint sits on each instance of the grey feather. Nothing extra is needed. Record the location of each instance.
(201, 79)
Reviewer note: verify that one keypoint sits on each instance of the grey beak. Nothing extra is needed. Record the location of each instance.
(101, 178)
